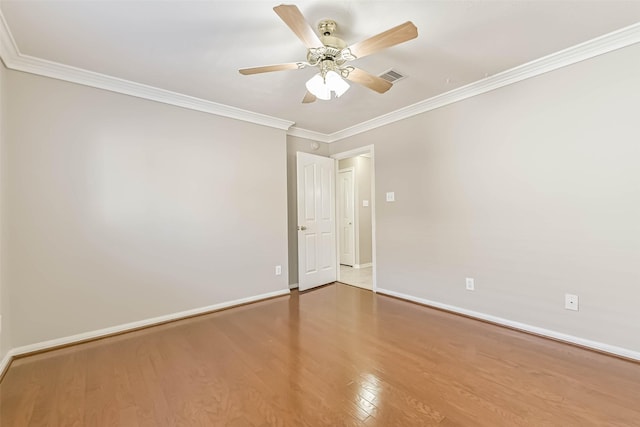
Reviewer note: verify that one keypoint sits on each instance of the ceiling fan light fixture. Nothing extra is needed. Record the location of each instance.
(336, 83)
(330, 54)
(322, 87)
(317, 86)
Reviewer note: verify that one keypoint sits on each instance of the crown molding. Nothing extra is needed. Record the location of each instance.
(55, 70)
(309, 134)
(8, 47)
(15, 60)
(609, 42)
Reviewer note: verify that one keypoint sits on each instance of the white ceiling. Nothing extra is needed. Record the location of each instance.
(196, 47)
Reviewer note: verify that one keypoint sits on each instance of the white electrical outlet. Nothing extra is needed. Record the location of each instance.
(470, 283)
(391, 196)
(571, 302)
(278, 270)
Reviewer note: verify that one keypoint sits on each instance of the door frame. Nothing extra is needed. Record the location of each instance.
(367, 149)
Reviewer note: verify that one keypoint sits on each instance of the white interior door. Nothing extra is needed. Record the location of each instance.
(346, 217)
(316, 221)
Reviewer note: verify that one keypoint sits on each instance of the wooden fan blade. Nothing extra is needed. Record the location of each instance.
(376, 83)
(292, 16)
(269, 68)
(392, 37)
(309, 98)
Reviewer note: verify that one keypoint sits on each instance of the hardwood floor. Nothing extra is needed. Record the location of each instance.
(336, 356)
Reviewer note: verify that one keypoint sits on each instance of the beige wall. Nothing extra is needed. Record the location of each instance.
(119, 209)
(5, 343)
(532, 189)
(295, 144)
(362, 174)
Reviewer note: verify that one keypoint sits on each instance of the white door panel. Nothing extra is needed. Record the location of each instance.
(316, 221)
(347, 217)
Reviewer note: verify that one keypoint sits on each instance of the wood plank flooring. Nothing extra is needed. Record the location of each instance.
(335, 356)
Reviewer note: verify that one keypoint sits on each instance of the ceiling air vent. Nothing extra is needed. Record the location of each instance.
(392, 76)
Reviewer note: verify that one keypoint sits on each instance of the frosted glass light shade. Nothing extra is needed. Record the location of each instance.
(322, 88)
(316, 86)
(336, 83)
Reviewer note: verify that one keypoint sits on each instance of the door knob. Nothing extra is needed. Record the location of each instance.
(301, 228)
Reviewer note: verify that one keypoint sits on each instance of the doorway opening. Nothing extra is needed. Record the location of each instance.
(355, 196)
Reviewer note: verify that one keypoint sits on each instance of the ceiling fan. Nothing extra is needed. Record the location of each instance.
(330, 55)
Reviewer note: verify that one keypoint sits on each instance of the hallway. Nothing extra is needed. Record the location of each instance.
(361, 277)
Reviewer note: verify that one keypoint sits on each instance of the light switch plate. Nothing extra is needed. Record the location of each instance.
(391, 196)
(365, 203)
(470, 284)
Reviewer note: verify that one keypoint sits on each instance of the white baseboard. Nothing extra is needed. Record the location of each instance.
(595, 345)
(293, 286)
(6, 360)
(367, 265)
(133, 325)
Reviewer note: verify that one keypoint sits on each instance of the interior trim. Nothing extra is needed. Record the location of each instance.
(535, 330)
(8, 47)
(366, 265)
(128, 327)
(310, 134)
(600, 45)
(4, 363)
(15, 60)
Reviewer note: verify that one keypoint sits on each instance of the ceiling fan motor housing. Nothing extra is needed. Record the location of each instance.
(334, 52)
(327, 27)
